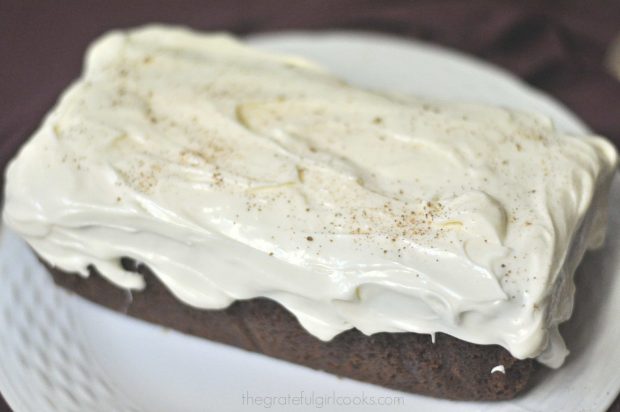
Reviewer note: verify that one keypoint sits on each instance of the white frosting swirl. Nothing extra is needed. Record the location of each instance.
(234, 173)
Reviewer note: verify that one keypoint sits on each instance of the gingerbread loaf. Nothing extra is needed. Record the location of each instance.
(272, 206)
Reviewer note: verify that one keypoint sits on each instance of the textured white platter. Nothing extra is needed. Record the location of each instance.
(60, 353)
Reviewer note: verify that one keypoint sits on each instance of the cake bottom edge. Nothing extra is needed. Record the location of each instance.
(447, 368)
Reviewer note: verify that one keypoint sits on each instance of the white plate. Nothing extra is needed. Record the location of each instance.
(60, 353)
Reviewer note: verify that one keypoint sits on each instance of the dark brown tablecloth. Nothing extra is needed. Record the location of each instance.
(557, 46)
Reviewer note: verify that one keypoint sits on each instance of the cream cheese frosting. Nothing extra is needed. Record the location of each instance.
(234, 173)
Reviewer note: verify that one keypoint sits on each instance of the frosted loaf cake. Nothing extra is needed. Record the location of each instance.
(229, 183)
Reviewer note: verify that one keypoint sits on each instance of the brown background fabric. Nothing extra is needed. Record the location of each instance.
(557, 46)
